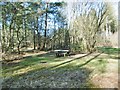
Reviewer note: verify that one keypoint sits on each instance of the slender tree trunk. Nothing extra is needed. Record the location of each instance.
(10, 28)
(38, 34)
(3, 32)
(13, 35)
(18, 48)
(45, 33)
(34, 41)
(25, 32)
(40, 41)
(34, 37)
(54, 46)
(18, 45)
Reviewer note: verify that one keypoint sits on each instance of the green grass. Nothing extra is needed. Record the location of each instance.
(99, 64)
(33, 64)
(34, 60)
(109, 50)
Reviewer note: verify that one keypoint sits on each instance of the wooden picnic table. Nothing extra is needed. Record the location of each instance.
(61, 52)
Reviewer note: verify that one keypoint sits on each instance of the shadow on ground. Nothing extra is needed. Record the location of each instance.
(28, 61)
(67, 76)
(52, 79)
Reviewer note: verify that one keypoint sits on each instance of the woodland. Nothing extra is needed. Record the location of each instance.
(32, 31)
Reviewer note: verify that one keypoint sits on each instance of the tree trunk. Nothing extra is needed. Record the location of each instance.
(53, 47)
(34, 40)
(13, 35)
(3, 32)
(38, 34)
(18, 45)
(18, 48)
(10, 28)
(45, 33)
(25, 33)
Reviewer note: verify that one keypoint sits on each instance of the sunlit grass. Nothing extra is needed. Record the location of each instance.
(32, 64)
(44, 67)
(99, 65)
(109, 50)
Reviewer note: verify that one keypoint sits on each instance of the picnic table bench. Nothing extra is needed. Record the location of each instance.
(61, 52)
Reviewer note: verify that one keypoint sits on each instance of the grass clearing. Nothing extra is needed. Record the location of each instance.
(32, 72)
(31, 63)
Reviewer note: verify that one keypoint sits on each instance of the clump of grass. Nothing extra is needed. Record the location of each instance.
(100, 65)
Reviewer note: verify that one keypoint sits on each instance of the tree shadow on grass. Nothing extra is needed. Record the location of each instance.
(72, 76)
(67, 62)
(89, 60)
(26, 61)
(58, 78)
(34, 60)
(24, 65)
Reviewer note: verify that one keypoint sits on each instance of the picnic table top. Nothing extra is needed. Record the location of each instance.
(61, 50)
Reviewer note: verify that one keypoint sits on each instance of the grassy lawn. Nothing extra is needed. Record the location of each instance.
(48, 71)
(31, 63)
(109, 50)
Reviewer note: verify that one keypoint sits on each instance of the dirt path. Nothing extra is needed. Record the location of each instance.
(109, 79)
(33, 54)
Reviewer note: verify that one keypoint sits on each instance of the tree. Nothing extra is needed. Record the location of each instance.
(88, 23)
